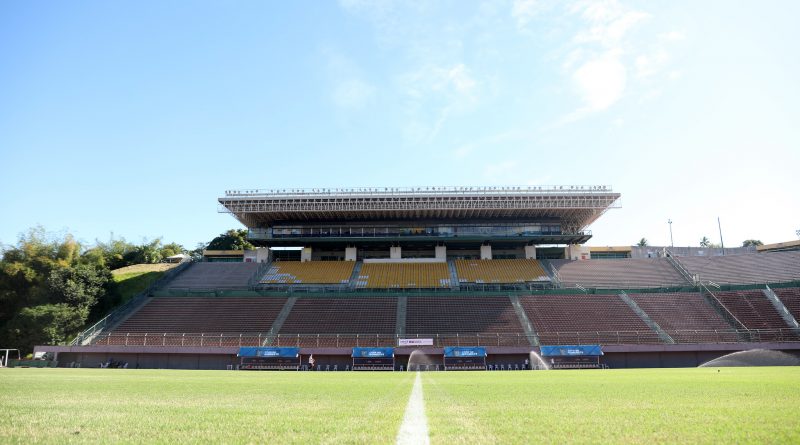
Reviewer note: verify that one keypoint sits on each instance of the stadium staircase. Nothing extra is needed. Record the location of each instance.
(686, 316)
(454, 282)
(530, 332)
(277, 324)
(353, 283)
(122, 313)
(400, 318)
(783, 311)
(679, 267)
(790, 297)
(646, 318)
(586, 319)
(255, 279)
(723, 311)
(554, 278)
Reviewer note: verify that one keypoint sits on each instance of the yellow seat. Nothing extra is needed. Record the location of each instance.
(500, 271)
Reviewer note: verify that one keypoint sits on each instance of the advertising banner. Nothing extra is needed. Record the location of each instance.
(463, 351)
(269, 352)
(415, 342)
(373, 352)
(571, 350)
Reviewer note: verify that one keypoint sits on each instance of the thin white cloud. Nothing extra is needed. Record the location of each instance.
(434, 94)
(352, 94)
(672, 36)
(599, 62)
(601, 82)
(523, 11)
(648, 65)
(454, 81)
(348, 89)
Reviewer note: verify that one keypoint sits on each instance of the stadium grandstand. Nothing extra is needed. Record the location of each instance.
(503, 269)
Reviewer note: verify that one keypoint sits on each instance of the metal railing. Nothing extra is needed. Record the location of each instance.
(345, 288)
(678, 266)
(255, 279)
(442, 340)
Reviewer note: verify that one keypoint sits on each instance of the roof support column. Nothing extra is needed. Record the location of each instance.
(530, 252)
(350, 254)
(441, 252)
(305, 254)
(486, 252)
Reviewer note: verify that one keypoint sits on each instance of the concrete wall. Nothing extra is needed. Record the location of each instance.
(577, 252)
(149, 361)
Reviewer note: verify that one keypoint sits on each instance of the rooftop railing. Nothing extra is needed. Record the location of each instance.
(423, 191)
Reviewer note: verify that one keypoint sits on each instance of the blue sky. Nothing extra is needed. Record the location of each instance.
(132, 117)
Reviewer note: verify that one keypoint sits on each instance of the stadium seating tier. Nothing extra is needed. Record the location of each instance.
(309, 272)
(500, 271)
(582, 319)
(215, 276)
(686, 317)
(619, 273)
(404, 276)
(769, 267)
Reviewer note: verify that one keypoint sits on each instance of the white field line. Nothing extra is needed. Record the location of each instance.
(414, 429)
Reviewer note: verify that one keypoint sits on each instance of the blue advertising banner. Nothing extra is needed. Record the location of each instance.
(373, 352)
(464, 351)
(269, 352)
(571, 350)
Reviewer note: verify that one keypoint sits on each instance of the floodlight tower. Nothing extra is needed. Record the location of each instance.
(671, 243)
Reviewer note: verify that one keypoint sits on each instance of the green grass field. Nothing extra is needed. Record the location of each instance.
(704, 405)
(132, 280)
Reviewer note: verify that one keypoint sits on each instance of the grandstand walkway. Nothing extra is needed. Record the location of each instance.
(784, 312)
(646, 318)
(277, 324)
(530, 332)
(790, 297)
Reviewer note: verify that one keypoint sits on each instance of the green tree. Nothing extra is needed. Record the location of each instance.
(147, 253)
(116, 252)
(79, 286)
(50, 285)
(168, 250)
(44, 324)
(752, 243)
(234, 239)
(25, 267)
(705, 242)
(643, 242)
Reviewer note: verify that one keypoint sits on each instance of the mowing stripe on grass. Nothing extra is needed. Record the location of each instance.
(414, 429)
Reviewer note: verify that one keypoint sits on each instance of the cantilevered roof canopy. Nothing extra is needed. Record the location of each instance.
(575, 206)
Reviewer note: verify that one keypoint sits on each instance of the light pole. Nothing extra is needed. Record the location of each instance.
(671, 243)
